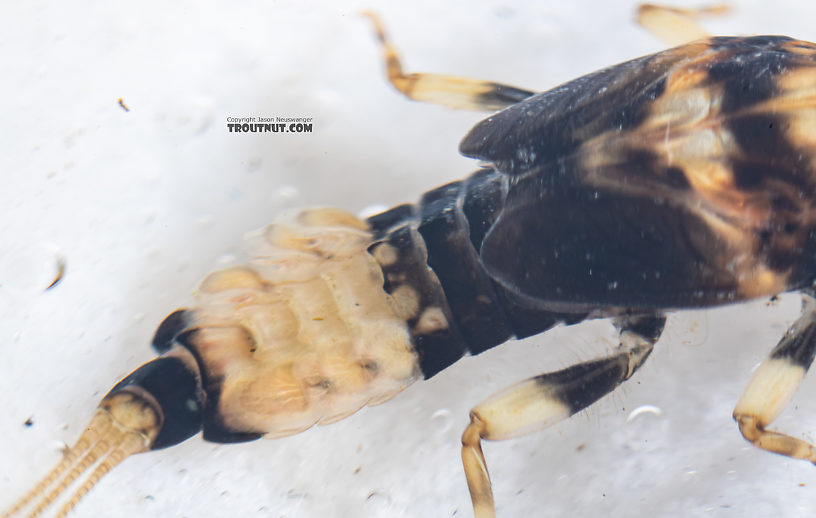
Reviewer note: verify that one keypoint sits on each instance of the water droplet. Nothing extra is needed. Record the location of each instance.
(643, 409)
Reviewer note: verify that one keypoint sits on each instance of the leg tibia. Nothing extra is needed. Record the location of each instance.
(773, 385)
(451, 91)
(544, 400)
(676, 26)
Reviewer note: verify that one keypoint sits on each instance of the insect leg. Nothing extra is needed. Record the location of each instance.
(544, 400)
(676, 26)
(773, 385)
(454, 92)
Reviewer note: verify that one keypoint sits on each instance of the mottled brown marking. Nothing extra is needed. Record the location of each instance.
(800, 47)
(765, 214)
(694, 76)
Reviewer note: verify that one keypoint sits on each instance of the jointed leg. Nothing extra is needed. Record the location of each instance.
(675, 26)
(773, 385)
(453, 92)
(544, 400)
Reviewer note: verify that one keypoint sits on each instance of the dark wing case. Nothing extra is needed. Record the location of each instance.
(681, 179)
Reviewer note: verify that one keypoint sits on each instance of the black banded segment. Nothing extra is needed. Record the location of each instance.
(175, 387)
(647, 327)
(381, 223)
(436, 338)
(499, 95)
(213, 427)
(454, 261)
(442, 257)
(583, 384)
(173, 325)
(798, 346)
(542, 401)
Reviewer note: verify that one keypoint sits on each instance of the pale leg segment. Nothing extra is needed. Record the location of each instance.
(676, 26)
(454, 92)
(544, 400)
(773, 385)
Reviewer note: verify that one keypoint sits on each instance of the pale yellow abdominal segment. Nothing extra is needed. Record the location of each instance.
(304, 333)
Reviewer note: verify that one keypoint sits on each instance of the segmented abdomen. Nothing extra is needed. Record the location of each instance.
(303, 333)
(430, 255)
(331, 313)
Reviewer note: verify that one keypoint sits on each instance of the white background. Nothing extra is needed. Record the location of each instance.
(142, 204)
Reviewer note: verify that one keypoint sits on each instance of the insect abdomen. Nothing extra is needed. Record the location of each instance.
(330, 313)
(301, 333)
(429, 254)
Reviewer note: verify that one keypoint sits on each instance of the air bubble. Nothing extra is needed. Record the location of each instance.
(643, 409)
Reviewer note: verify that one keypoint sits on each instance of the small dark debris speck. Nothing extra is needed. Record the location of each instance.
(60, 273)
(29, 422)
